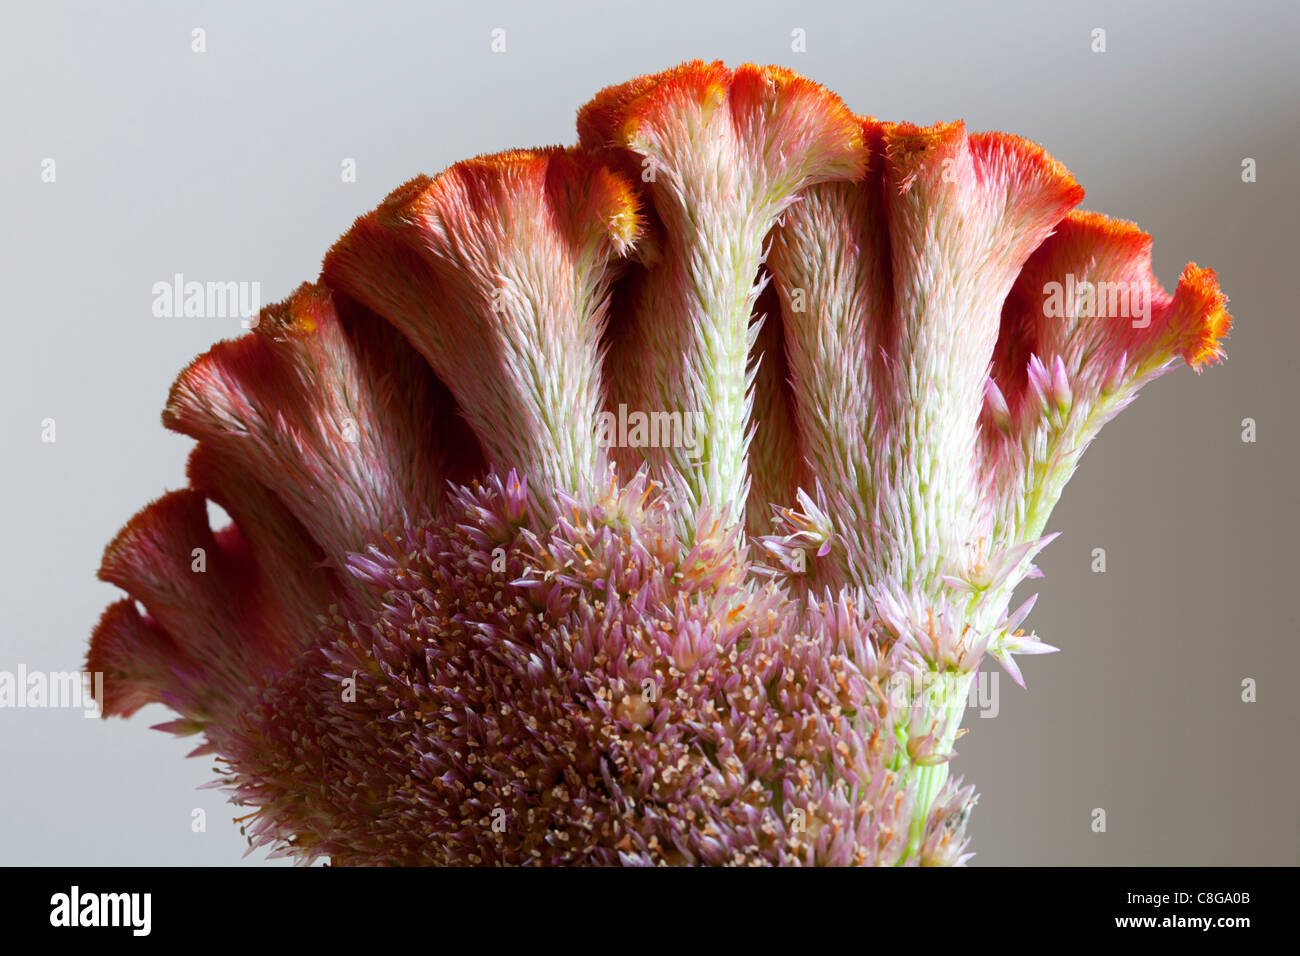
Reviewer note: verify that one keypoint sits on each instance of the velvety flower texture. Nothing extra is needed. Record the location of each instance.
(654, 500)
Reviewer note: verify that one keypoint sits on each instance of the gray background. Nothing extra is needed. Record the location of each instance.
(226, 166)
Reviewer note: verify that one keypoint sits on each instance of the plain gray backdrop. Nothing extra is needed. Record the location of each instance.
(225, 165)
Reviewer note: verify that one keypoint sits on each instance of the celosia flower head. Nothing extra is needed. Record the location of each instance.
(653, 500)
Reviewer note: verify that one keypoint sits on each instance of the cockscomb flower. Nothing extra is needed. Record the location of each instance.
(652, 500)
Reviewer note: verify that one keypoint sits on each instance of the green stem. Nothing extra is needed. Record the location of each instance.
(944, 699)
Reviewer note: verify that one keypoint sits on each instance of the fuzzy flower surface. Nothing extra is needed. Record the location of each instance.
(654, 500)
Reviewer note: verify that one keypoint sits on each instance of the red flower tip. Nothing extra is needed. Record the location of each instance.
(134, 655)
(812, 123)
(912, 151)
(1031, 164)
(580, 190)
(1198, 297)
(301, 314)
(1120, 235)
(604, 122)
(1088, 294)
